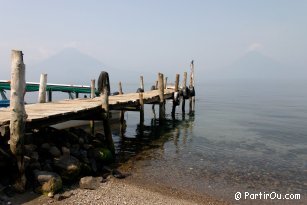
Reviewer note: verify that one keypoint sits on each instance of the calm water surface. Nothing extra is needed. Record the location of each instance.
(244, 136)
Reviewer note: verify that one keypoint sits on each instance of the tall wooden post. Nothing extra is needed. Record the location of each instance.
(161, 96)
(42, 88)
(92, 122)
(142, 83)
(184, 87)
(192, 88)
(120, 88)
(176, 96)
(104, 88)
(165, 83)
(18, 115)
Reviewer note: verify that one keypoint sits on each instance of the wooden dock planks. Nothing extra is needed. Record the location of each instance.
(59, 111)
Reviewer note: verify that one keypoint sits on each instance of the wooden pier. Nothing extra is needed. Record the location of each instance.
(20, 117)
(44, 114)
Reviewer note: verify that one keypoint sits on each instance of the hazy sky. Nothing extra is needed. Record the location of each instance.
(161, 35)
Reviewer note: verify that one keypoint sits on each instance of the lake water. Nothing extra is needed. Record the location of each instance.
(244, 136)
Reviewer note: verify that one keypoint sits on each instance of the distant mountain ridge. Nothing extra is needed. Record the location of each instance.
(69, 66)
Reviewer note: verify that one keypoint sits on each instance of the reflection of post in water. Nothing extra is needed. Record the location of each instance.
(122, 121)
(176, 99)
(176, 139)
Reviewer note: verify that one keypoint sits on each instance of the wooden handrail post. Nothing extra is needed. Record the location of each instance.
(42, 88)
(18, 115)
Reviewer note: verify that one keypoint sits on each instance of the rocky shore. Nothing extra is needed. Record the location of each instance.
(54, 159)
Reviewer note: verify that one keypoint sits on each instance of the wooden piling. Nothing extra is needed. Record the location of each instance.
(176, 96)
(93, 88)
(18, 115)
(49, 95)
(92, 122)
(122, 125)
(141, 109)
(120, 88)
(42, 88)
(142, 83)
(161, 96)
(191, 87)
(184, 87)
(165, 83)
(105, 83)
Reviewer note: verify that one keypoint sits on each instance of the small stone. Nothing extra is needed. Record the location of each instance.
(45, 146)
(90, 182)
(65, 151)
(29, 148)
(50, 195)
(44, 176)
(34, 156)
(54, 151)
(52, 186)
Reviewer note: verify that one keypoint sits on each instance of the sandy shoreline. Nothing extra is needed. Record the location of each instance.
(116, 191)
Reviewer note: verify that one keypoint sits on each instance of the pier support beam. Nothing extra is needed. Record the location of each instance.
(92, 122)
(104, 89)
(42, 88)
(18, 115)
(184, 89)
(141, 109)
(192, 90)
(49, 95)
(176, 99)
(122, 124)
(161, 96)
